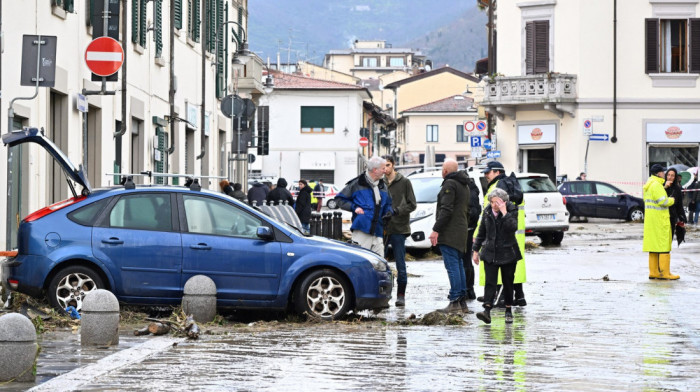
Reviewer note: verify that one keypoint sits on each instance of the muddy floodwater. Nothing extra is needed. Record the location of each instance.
(577, 332)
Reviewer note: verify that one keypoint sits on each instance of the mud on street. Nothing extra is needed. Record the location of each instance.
(593, 322)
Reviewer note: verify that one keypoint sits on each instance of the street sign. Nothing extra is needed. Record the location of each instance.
(81, 103)
(476, 152)
(587, 127)
(32, 47)
(104, 56)
(475, 141)
(469, 126)
(97, 18)
(481, 126)
(600, 137)
(364, 142)
(493, 154)
(487, 144)
(251, 158)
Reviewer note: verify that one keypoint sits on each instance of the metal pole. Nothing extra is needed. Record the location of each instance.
(85, 142)
(585, 159)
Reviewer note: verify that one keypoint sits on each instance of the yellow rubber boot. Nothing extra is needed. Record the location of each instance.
(654, 266)
(665, 266)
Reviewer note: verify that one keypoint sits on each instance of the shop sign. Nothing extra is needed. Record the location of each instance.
(537, 134)
(317, 161)
(673, 132)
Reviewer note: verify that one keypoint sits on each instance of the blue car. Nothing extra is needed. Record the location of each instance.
(144, 242)
(597, 199)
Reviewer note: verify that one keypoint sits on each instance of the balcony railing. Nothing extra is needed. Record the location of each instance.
(556, 92)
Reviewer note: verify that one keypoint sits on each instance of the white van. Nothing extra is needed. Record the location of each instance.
(545, 212)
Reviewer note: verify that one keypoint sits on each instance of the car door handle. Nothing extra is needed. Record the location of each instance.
(113, 241)
(200, 246)
(600, 199)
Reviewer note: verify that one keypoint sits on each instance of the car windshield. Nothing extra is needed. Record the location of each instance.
(426, 189)
(536, 185)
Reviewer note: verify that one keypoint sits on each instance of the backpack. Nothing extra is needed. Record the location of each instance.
(474, 205)
(512, 187)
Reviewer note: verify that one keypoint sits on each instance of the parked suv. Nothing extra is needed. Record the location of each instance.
(144, 242)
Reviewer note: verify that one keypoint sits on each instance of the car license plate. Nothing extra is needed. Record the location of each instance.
(545, 217)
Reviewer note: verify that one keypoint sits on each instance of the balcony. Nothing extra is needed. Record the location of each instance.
(504, 95)
(250, 83)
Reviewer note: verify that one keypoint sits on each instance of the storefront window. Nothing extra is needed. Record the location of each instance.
(667, 156)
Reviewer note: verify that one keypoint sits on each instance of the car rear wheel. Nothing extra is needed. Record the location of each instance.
(70, 285)
(636, 215)
(545, 238)
(325, 295)
(557, 237)
(332, 204)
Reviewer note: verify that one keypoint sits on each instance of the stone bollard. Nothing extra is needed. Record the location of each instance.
(18, 348)
(99, 324)
(199, 298)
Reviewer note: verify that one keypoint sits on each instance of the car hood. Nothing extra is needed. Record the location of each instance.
(356, 250)
(33, 135)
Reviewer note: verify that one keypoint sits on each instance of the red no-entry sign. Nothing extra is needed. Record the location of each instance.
(104, 56)
(364, 142)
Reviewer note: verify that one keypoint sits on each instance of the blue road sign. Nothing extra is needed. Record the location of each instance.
(600, 137)
(481, 126)
(475, 141)
(487, 144)
(493, 154)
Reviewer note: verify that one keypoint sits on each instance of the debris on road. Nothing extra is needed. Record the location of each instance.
(434, 318)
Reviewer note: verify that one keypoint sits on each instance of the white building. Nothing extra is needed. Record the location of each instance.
(197, 147)
(314, 129)
(562, 63)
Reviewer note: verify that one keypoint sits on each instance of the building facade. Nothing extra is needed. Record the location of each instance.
(568, 69)
(132, 130)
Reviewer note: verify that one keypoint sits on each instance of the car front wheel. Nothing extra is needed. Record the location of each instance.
(325, 295)
(70, 285)
(332, 204)
(636, 215)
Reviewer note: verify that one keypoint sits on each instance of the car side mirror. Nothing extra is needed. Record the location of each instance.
(265, 233)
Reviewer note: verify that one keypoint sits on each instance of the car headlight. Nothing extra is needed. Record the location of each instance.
(378, 264)
(422, 213)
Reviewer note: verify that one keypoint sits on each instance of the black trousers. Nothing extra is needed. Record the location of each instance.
(467, 261)
(491, 288)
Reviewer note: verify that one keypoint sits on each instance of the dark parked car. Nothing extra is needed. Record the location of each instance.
(596, 199)
(144, 242)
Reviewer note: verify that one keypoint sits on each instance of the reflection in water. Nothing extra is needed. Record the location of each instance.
(504, 357)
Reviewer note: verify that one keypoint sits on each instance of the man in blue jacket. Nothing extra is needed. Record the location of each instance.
(367, 197)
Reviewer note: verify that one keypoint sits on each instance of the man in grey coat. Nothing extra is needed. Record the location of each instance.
(403, 201)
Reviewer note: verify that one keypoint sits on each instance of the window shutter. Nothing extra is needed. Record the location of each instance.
(143, 28)
(197, 20)
(190, 17)
(220, 81)
(178, 14)
(694, 45)
(158, 27)
(89, 5)
(135, 21)
(68, 5)
(529, 48)
(240, 22)
(541, 46)
(651, 29)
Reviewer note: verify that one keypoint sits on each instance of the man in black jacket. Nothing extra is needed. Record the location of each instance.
(280, 194)
(450, 232)
(474, 215)
(257, 193)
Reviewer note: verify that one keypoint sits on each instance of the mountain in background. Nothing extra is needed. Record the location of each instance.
(448, 31)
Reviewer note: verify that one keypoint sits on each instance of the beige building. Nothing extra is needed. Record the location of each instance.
(568, 68)
(150, 140)
(445, 125)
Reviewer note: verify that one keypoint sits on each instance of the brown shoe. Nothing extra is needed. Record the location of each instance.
(453, 307)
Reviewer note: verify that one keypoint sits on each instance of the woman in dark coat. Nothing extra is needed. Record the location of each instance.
(280, 194)
(497, 246)
(303, 205)
(674, 189)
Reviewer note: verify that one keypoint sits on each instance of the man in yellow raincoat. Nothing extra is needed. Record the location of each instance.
(657, 225)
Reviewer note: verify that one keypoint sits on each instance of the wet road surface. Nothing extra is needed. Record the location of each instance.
(578, 332)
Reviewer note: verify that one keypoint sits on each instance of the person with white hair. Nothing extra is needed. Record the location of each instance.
(496, 245)
(367, 197)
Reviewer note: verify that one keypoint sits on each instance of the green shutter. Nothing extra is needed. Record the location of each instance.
(135, 21)
(220, 81)
(160, 164)
(58, 3)
(143, 27)
(68, 5)
(240, 22)
(158, 27)
(209, 17)
(197, 20)
(190, 16)
(178, 14)
(317, 117)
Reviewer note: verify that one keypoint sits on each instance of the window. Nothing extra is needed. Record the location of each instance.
(672, 45)
(581, 188)
(66, 5)
(193, 22)
(210, 216)
(431, 133)
(537, 47)
(142, 212)
(317, 119)
(138, 22)
(86, 215)
(189, 150)
(136, 149)
(370, 61)
(461, 134)
(606, 190)
(396, 61)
